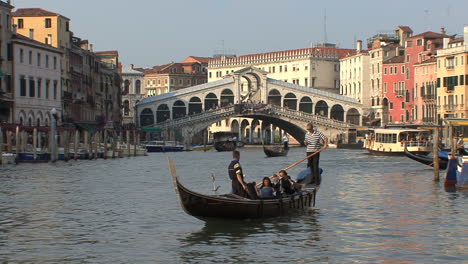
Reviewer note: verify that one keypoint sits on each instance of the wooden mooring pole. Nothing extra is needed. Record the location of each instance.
(435, 150)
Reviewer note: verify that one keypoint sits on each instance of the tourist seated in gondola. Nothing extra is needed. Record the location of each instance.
(266, 189)
(285, 185)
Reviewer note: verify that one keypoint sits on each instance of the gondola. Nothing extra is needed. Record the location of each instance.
(225, 145)
(275, 151)
(205, 206)
(428, 160)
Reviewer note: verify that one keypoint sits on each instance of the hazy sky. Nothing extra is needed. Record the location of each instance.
(154, 32)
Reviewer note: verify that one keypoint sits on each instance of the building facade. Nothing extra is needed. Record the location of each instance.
(6, 82)
(452, 71)
(354, 76)
(425, 94)
(173, 76)
(132, 92)
(51, 29)
(317, 68)
(37, 81)
(394, 94)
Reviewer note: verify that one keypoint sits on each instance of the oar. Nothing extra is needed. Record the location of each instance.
(297, 163)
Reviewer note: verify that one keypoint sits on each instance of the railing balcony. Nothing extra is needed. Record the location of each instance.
(428, 119)
(450, 89)
(400, 93)
(450, 107)
(429, 96)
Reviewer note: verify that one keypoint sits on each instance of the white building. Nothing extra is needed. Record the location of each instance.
(37, 81)
(354, 76)
(132, 92)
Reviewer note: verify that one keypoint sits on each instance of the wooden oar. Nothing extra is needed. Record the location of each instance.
(297, 163)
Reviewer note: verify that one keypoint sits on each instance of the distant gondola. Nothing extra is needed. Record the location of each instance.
(233, 206)
(428, 160)
(225, 145)
(275, 151)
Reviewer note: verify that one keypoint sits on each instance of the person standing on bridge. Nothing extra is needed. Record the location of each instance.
(314, 140)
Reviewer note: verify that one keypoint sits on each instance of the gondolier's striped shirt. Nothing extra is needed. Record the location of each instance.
(314, 141)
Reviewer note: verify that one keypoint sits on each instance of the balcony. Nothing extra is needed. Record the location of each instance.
(428, 119)
(450, 89)
(400, 93)
(450, 107)
(428, 96)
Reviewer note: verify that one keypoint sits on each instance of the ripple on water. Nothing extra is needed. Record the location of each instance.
(370, 210)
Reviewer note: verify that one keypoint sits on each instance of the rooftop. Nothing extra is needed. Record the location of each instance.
(35, 12)
(397, 59)
(429, 35)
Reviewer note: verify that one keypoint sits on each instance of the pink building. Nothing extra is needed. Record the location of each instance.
(394, 93)
(425, 87)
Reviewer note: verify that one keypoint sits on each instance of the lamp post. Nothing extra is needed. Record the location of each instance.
(53, 139)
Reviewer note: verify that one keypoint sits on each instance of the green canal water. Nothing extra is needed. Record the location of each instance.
(369, 210)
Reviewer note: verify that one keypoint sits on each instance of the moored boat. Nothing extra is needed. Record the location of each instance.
(275, 151)
(164, 146)
(201, 147)
(8, 158)
(232, 206)
(428, 159)
(393, 141)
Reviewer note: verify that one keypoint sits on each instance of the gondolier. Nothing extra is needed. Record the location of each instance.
(286, 140)
(314, 140)
(236, 175)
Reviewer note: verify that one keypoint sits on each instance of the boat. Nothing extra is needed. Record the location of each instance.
(164, 146)
(8, 158)
(202, 147)
(386, 141)
(275, 151)
(225, 141)
(29, 157)
(429, 160)
(230, 206)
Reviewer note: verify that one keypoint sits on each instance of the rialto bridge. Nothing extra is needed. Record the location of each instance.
(269, 104)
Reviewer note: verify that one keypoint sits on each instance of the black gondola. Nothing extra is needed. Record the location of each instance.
(275, 151)
(232, 206)
(428, 160)
(225, 145)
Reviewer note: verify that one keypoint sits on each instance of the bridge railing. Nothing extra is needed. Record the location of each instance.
(229, 110)
(311, 117)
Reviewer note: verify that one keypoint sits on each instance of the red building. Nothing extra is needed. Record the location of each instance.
(418, 48)
(394, 93)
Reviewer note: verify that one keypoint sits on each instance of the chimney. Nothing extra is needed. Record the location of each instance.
(91, 47)
(465, 35)
(15, 27)
(359, 46)
(131, 66)
(442, 30)
(446, 42)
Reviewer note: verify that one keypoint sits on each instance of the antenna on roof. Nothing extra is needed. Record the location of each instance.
(325, 27)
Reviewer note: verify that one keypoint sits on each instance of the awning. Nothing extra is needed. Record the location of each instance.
(151, 129)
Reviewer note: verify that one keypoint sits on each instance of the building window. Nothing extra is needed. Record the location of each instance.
(55, 63)
(47, 61)
(22, 85)
(306, 82)
(20, 23)
(285, 68)
(21, 55)
(67, 26)
(47, 86)
(48, 23)
(55, 89)
(39, 82)
(32, 87)
(385, 70)
(38, 59)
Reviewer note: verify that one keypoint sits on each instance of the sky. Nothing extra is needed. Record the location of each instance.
(155, 32)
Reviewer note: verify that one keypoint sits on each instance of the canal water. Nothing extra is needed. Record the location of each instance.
(369, 210)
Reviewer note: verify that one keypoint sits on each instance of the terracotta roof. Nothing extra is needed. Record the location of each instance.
(429, 35)
(405, 28)
(35, 42)
(456, 40)
(197, 59)
(316, 51)
(34, 12)
(431, 60)
(397, 59)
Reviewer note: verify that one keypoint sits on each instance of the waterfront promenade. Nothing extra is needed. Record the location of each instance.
(369, 210)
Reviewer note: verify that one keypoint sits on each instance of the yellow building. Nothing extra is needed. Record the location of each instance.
(452, 74)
